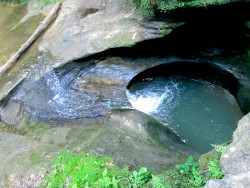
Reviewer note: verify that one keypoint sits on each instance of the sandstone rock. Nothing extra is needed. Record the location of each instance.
(125, 136)
(235, 159)
(85, 28)
(23, 161)
(78, 32)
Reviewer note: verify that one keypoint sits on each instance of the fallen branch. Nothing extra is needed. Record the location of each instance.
(35, 35)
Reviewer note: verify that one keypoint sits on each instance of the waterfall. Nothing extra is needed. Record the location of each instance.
(150, 99)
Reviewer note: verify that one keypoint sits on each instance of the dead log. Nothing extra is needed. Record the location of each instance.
(35, 35)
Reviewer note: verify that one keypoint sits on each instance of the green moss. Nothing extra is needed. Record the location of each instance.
(88, 11)
(25, 1)
(16, 1)
(164, 5)
(148, 6)
(46, 155)
(204, 160)
(209, 163)
(246, 57)
(164, 29)
(34, 129)
(35, 158)
(125, 39)
(167, 28)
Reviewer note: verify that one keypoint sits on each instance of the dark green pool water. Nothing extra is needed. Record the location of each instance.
(201, 112)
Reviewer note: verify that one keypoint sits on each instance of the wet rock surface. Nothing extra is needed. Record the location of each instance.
(77, 90)
(91, 86)
(89, 89)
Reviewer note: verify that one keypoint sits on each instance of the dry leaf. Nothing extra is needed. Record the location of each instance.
(110, 164)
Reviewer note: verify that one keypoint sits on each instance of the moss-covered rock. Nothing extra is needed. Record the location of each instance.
(24, 162)
(205, 158)
(150, 7)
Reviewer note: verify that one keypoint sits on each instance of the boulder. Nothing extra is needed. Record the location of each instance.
(85, 28)
(235, 159)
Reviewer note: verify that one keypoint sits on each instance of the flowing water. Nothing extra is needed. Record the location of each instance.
(202, 113)
(13, 33)
(51, 97)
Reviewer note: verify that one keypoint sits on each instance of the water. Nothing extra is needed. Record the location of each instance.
(14, 33)
(51, 97)
(202, 113)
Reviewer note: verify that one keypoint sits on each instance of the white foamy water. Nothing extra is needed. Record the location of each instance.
(149, 102)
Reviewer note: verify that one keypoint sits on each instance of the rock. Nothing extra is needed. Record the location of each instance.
(235, 159)
(58, 82)
(76, 33)
(137, 122)
(24, 162)
(79, 32)
(218, 183)
(125, 136)
(83, 29)
(83, 89)
(86, 89)
(238, 181)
